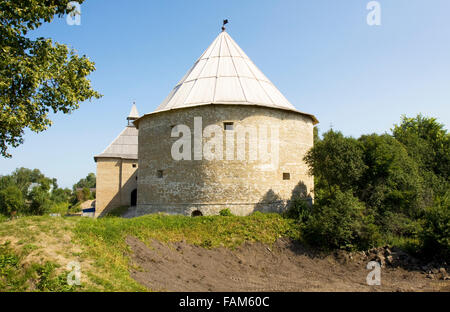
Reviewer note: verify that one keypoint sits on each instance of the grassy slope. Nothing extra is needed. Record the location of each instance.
(41, 247)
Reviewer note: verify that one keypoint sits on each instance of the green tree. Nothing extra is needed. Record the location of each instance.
(39, 201)
(11, 200)
(316, 136)
(392, 181)
(335, 161)
(427, 141)
(89, 181)
(380, 188)
(37, 76)
(60, 195)
(5, 181)
(24, 177)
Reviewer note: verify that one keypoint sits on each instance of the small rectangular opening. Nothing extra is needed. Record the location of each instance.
(134, 165)
(159, 174)
(228, 126)
(286, 176)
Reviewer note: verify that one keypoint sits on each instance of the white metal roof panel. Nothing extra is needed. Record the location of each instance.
(225, 75)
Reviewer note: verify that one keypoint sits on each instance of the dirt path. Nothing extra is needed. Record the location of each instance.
(286, 266)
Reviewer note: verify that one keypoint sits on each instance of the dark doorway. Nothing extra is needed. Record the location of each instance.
(133, 197)
(196, 213)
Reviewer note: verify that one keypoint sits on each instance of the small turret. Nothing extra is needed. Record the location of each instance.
(133, 115)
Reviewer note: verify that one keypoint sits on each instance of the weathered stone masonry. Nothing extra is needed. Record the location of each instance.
(209, 186)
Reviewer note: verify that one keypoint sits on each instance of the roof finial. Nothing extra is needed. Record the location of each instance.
(225, 21)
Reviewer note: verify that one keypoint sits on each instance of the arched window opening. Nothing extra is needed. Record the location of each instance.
(196, 213)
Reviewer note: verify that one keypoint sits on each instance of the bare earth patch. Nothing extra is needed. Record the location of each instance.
(286, 266)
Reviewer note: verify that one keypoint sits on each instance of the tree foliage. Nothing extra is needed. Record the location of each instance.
(377, 187)
(339, 221)
(427, 141)
(336, 161)
(60, 195)
(88, 182)
(428, 144)
(11, 200)
(34, 193)
(37, 76)
(436, 229)
(25, 178)
(40, 201)
(391, 181)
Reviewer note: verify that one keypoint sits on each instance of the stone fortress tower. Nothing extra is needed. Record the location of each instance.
(117, 170)
(223, 102)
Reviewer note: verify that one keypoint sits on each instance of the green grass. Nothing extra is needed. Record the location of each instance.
(15, 276)
(99, 244)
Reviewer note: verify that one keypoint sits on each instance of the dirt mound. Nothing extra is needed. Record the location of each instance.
(286, 266)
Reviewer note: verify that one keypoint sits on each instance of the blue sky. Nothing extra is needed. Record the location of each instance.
(321, 54)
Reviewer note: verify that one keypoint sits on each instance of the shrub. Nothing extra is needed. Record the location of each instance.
(339, 222)
(398, 224)
(370, 233)
(298, 209)
(40, 202)
(225, 212)
(11, 200)
(435, 235)
(60, 208)
(61, 195)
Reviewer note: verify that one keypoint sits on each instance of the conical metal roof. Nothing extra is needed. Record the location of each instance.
(224, 74)
(134, 114)
(125, 145)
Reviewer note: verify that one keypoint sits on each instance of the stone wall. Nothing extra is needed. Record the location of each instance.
(116, 179)
(212, 185)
